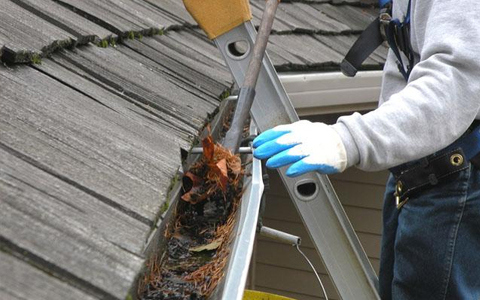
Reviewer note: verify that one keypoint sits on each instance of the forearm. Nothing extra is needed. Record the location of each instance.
(440, 101)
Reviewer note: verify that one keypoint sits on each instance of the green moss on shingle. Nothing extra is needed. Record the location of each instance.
(65, 43)
(173, 183)
(225, 94)
(164, 207)
(113, 42)
(36, 59)
(160, 31)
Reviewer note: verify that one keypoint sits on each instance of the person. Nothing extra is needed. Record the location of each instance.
(425, 132)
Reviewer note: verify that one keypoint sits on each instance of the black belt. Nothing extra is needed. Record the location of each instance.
(427, 172)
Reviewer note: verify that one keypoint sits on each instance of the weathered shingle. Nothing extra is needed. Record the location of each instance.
(194, 43)
(175, 101)
(25, 35)
(186, 65)
(299, 17)
(355, 2)
(81, 28)
(311, 51)
(316, 21)
(76, 136)
(48, 222)
(357, 19)
(279, 25)
(94, 135)
(121, 16)
(175, 10)
(108, 20)
(25, 281)
(335, 24)
(282, 58)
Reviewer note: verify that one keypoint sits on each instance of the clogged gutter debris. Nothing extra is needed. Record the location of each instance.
(197, 249)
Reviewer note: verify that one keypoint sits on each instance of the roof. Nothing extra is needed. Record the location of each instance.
(90, 137)
(307, 35)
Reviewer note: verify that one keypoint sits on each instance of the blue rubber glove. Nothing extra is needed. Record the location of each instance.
(307, 146)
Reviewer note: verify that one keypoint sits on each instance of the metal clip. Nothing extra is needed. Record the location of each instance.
(385, 17)
(400, 204)
(398, 191)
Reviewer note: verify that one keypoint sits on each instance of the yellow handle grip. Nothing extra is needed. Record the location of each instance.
(216, 17)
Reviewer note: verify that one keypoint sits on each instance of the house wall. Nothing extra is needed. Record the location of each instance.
(278, 268)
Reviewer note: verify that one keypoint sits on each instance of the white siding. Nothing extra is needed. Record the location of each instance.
(280, 269)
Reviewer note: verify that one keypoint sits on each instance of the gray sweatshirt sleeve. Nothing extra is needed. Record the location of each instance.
(441, 98)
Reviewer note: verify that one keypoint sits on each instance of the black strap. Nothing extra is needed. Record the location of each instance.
(395, 32)
(368, 41)
(398, 38)
(428, 172)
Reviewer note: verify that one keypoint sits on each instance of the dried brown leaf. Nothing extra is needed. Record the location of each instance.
(210, 246)
(208, 148)
(190, 181)
(193, 186)
(235, 165)
(222, 174)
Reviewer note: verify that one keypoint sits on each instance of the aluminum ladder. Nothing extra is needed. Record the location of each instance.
(312, 194)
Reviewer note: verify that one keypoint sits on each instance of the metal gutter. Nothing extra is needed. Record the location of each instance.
(321, 93)
(236, 274)
(243, 236)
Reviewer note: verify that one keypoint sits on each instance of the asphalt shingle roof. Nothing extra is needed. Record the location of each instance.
(90, 138)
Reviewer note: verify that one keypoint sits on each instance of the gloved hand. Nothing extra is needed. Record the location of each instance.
(308, 146)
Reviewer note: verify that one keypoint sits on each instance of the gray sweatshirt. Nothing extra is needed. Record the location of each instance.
(441, 98)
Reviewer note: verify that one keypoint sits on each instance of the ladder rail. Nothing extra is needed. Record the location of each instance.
(313, 195)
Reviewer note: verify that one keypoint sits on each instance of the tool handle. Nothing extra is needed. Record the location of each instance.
(247, 92)
(260, 44)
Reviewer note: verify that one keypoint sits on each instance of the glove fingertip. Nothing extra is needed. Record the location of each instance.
(258, 141)
(266, 150)
(274, 163)
(269, 165)
(299, 168)
(293, 172)
(260, 153)
(267, 136)
(283, 159)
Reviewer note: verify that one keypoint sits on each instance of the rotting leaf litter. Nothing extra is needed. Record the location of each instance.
(197, 244)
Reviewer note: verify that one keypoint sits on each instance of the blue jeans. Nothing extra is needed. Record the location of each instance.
(431, 246)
